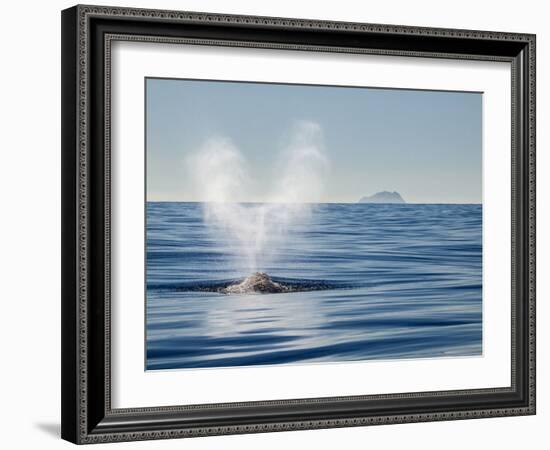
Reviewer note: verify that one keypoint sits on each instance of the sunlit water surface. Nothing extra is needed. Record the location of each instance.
(396, 281)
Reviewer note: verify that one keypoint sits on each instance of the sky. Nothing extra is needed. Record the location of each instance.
(426, 145)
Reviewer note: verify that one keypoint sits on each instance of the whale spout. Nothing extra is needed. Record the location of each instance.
(258, 282)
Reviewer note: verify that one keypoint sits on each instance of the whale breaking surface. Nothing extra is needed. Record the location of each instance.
(260, 283)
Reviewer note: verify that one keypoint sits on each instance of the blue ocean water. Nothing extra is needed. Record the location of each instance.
(402, 281)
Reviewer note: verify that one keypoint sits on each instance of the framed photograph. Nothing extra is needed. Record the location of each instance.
(276, 224)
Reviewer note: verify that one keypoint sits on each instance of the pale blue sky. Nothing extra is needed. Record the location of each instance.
(427, 145)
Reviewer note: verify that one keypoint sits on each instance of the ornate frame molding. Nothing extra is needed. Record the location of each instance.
(80, 418)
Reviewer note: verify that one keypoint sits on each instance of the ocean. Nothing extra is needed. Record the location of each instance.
(388, 281)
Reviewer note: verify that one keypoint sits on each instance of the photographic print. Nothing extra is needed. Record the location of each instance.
(337, 218)
(298, 224)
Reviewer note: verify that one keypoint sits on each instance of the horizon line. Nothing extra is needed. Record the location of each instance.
(319, 203)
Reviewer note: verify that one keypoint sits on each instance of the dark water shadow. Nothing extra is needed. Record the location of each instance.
(52, 429)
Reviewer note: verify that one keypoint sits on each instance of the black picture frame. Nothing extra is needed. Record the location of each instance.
(87, 415)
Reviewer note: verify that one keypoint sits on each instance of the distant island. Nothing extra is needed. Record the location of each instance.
(383, 197)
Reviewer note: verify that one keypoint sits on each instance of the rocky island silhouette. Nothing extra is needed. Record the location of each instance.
(383, 197)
